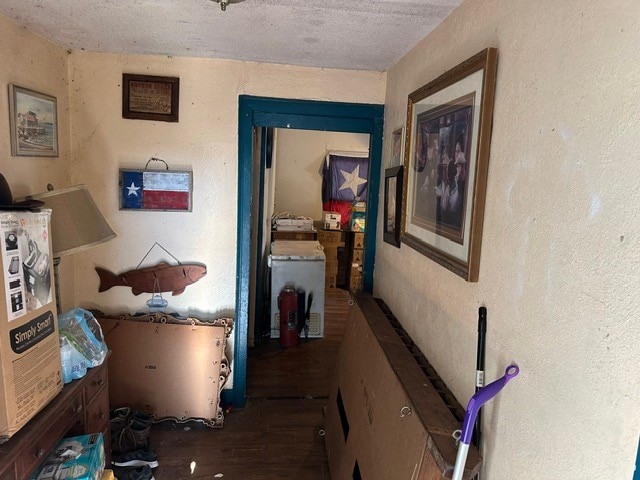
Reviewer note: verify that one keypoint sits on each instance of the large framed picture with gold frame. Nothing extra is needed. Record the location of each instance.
(446, 162)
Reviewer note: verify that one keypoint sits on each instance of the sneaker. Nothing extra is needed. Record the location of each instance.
(133, 473)
(133, 437)
(136, 458)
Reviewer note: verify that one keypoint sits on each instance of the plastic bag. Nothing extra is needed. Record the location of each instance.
(74, 364)
(80, 331)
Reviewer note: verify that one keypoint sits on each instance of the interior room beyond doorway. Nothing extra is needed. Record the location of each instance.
(299, 159)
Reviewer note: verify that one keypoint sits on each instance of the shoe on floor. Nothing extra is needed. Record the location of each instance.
(141, 416)
(136, 458)
(119, 418)
(133, 473)
(133, 437)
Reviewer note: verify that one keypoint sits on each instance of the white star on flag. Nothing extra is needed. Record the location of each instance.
(133, 190)
(352, 180)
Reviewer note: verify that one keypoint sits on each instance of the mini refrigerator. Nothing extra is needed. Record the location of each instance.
(300, 264)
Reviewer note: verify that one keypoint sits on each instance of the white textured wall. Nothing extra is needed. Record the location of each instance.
(300, 157)
(31, 62)
(205, 140)
(560, 263)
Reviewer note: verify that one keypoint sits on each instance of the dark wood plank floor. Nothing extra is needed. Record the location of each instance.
(276, 436)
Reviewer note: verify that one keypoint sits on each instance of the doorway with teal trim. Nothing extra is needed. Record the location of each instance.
(258, 112)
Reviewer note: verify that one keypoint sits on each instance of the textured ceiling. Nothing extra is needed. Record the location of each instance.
(350, 34)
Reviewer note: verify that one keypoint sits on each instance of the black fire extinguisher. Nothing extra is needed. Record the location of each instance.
(288, 308)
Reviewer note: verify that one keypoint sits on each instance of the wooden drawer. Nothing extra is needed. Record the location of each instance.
(29, 458)
(96, 379)
(97, 413)
(9, 473)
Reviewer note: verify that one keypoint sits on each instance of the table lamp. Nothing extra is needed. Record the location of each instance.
(76, 224)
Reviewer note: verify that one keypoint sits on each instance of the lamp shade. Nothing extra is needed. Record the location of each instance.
(76, 222)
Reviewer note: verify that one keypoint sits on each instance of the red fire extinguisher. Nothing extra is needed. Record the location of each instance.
(288, 307)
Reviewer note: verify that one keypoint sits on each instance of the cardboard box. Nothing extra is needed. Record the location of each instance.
(331, 220)
(358, 240)
(368, 429)
(359, 207)
(357, 221)
(331, 268)
(330, 238)
(77, 458)
(357, 256)
(30, 367)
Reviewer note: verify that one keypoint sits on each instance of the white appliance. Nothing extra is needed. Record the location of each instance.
(300, 264)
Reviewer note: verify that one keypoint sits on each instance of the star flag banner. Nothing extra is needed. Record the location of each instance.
(168, 190)
(345, 178)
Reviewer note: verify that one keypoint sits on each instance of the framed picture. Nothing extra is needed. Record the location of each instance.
(33, 123)
(392, 205)
(156, 190)
(397, 139)
(148, 97)
(448, 134)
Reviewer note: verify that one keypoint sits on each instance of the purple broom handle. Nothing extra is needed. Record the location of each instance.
(481, 397)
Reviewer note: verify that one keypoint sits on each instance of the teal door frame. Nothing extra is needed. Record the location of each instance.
(302, 115)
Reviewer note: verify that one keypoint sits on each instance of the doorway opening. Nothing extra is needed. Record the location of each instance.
(256, 113)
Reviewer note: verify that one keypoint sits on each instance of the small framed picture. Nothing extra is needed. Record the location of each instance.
(397, 139)
(393, 182)
(33, 123)
(149, 97)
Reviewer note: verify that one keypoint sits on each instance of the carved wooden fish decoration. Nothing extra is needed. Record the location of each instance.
(159, 278)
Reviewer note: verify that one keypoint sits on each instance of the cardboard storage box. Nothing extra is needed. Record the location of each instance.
(30, 368)
(79, 458)
(357, 221)
(331, 220)
(384, 418)
(329, 238)
(358, 240)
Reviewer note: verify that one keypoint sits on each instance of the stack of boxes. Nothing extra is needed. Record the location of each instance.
(357, 260)
(331, 241)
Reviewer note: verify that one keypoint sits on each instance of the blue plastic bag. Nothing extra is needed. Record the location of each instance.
(82, 344)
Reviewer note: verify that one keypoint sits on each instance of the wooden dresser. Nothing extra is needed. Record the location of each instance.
(81, 408)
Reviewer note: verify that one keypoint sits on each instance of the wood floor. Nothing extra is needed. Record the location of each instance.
(277, 435)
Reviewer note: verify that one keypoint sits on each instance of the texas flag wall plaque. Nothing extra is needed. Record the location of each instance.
(158, 190)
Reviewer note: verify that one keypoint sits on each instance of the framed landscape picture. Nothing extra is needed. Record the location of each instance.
(446, 162)
(33, 123)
